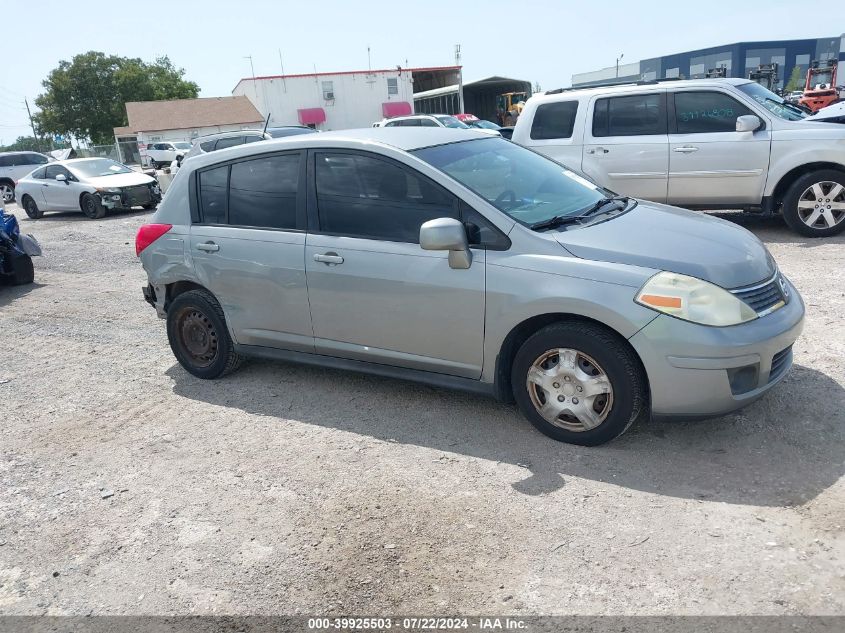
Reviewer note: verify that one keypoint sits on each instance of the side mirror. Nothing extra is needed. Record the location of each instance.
(447, 234)
(748, 123)
(61, 177)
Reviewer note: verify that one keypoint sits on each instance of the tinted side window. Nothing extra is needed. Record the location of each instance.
(212, 184)
(55, 170)
(35, 159)
(207, 146)
(428, 123)
(554, 120)
(262, 192)
(6, 161)
(373, 198)
(229, 142)
(635, 115)
(253, 138)
(697, 112)
(39, 173)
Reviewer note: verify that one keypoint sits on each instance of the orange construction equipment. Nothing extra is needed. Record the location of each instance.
(820, 89)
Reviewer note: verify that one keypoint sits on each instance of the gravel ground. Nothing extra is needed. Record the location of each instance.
(129, 487)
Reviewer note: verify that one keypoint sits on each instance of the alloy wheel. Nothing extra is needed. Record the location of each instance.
(570, 389)
(822, 205)
(7, 192)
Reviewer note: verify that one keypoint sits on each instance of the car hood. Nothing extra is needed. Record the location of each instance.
(667, 238)
(119, 180)
(833, 113)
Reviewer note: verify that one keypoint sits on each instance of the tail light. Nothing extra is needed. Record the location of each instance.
(149, 233)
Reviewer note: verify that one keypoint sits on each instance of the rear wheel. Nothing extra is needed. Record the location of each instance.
(579, 383)
(92, 207)
(815, 204)
(31, 208)
(196, 330)
(7, 191)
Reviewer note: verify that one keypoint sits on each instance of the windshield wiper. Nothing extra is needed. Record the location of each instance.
(560, 220)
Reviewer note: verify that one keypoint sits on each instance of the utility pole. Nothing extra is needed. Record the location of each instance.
(282, 64)
(460, 78)
(369, 61)
(31, 123)
(617, 64)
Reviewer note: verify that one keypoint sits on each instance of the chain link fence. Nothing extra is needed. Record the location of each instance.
(125, 152)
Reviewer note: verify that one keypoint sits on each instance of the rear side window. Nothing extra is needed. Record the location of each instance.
(34, 159)
(223, 143)
(262, 192)
(253, 138)
(554, 120)
(6, 161)
(428, 123)
(207, 146)
(373, 198)
(212, 186)
(39, 173)
(635, 115)
(703, 112)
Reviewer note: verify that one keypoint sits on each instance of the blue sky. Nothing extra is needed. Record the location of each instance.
(540, 40)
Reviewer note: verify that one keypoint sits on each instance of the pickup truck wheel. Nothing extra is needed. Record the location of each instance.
(196, 330)
(578, 383)
(92, 207)
(31, 208)
(814, 205)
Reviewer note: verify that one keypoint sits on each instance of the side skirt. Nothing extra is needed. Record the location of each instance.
(376, 369)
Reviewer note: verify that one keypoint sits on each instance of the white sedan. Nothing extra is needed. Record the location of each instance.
(90, 185)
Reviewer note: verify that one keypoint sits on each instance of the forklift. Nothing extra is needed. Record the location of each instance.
(716, 73)
(766, 75)
(820, 89)
(509, 103)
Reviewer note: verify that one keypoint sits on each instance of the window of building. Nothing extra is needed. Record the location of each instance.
(802, 60)
(212, 185)
(696, 71)
(262, 192)
(636, 115)
(649, 76)
(751, 62)
(372, 198)
(703, 112)
(328, 90)
(392, 85)
(554, 120)
(673, 73)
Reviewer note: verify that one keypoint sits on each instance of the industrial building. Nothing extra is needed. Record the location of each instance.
(736, 59)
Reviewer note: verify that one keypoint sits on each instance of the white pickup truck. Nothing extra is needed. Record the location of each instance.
(701, 144)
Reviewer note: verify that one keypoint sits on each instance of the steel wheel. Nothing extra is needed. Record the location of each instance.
(570, 390)
(197, 336)
(7, 192)
(822, 205)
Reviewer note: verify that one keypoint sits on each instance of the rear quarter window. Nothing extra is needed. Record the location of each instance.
(554, 120)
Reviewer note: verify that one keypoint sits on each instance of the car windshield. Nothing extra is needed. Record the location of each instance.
(528, 187)
(487, 125)
(773, 103)
(98, 167)
(182, 145)
(450, 121)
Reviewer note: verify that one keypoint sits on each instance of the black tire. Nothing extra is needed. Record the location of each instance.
(8, 191)
(210, 354)
(22, 270)
(627, 402)
(30, 207)
(150, 206)
(92, 207)
(792, 215)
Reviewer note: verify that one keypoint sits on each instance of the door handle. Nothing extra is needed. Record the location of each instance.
(598, 150)
(685, 149)
(208, 247)
(328, 258)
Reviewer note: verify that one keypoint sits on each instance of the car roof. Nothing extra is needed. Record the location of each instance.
(643, 86)
(216, 135)
(21, 151)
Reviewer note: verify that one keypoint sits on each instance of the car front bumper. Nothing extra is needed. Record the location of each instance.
(697, 371)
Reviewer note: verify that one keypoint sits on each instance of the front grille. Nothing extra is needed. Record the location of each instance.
(779, 362)
(139, 195)
(765, 297)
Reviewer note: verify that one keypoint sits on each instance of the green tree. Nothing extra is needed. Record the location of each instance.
(27, 144)
(796, 80)
(87, 96)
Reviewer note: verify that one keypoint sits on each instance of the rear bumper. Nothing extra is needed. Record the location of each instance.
(698, 371)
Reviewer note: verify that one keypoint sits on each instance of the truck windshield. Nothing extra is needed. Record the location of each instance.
(773, 103)
(528, 187)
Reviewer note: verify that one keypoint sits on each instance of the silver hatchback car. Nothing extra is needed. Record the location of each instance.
(461, 260)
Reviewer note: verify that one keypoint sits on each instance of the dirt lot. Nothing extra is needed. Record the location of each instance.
(129, 487)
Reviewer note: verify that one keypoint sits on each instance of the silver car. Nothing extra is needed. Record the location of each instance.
(90, 185)
(15, 165)
(461, 260)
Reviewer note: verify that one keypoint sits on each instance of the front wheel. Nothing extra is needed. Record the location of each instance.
(814, 205)
(92, 207)
(196, 330)
(579, 383)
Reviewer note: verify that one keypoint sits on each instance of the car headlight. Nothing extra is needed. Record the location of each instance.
(693, 300)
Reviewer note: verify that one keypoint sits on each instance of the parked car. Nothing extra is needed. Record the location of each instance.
(290, 130)
(13, 167)
(461, 260)
(482, 124)
(222, 140)
(161, 154)
(700, 144)
(90, 185)
(16, 251)
(424, 120)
